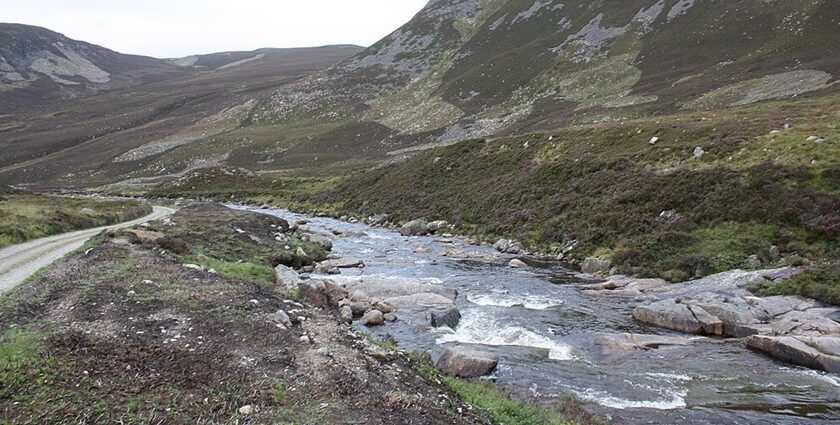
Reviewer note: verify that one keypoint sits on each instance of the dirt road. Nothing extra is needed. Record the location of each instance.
(18, 262)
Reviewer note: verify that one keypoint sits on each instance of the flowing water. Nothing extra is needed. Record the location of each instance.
(543, 328)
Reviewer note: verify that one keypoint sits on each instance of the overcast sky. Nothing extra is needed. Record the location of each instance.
(176, 28)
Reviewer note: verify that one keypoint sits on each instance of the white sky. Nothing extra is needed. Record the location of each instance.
(176, 28)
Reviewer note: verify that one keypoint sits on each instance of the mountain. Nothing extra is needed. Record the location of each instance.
(459, 69)
(38, 65)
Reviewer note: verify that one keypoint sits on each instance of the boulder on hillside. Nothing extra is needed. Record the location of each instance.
(436, 226)
(415, 228)
(466, 362)
(508, 246)
(592, 265)
(286, 276)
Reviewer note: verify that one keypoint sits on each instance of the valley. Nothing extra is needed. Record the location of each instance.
(503, 212)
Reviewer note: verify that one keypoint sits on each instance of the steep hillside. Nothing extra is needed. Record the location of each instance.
(463, 69)
(38, 65)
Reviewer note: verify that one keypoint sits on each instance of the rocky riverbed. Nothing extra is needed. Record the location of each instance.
(635, 350)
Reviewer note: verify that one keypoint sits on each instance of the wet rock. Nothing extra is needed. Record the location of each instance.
(286, 276)
(386, 287)
(669, 314)
(429, 300)
(592, 265)
(449, 318)
(359, 308)
(390, 317)
(345, 314)
(421, 250)
(383, 306)
(414, 228)
(465, 362)
(822, 353)
(620, 344)
(517, 264)
(373, 318)
(323, 240)
(333, 266)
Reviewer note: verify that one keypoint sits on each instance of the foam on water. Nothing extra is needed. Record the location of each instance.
(676, 401)
(481, 328)
(530, 302)
(822, 376)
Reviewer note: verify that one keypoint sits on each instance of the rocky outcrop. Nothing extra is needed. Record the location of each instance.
(677, 316)
(331, 266)
(594, 265)
(822, 353)
(373, 318)
(465, 362)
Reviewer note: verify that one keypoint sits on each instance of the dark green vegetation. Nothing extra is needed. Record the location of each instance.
(25, 216)
(606, 187)
(125, 333)
(821, 282)
(236, 244)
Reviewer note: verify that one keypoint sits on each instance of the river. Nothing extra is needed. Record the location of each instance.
(544, 330)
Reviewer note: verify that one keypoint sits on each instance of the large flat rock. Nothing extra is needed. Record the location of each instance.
(822, 353)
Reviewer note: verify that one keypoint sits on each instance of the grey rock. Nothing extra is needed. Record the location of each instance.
(390, 317)
(449, 318)
(774, 253)
(467, 362)
(286, 276)
(373, 318)
(517, 264)
(414, 228)
(753, 262)
(436, 226)
(359, 308)
(611, 345)
(669, 314)
(592, 265)
(280, 317)
(821, 353)
(345, 313)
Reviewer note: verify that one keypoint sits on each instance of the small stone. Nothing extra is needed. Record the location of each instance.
(653, 140)
(699, 152)
(390, 317)
(246, 409)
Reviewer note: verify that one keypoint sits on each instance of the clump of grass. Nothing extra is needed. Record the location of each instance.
(247, 271)
(820, 282)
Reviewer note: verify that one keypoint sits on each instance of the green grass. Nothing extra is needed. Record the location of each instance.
(18, 346)
(27, 216)
(257, 273)
(821, 282)
(491, 401)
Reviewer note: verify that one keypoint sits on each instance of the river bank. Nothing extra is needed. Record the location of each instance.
(553, 338)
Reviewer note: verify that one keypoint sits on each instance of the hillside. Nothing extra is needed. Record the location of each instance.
(466, 69)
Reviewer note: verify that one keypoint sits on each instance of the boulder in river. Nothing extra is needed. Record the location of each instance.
(373, 318)
(671, 314)
(611, 345)
(321, 239)
(415, 228)
(822, 353)
(449, 318)
(517, 264)
(324, 267)
(466, 362)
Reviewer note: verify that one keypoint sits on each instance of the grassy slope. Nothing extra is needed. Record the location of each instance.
(605, 186)
(26, 216)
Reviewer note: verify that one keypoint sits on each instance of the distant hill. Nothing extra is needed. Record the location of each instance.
(459, 69)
